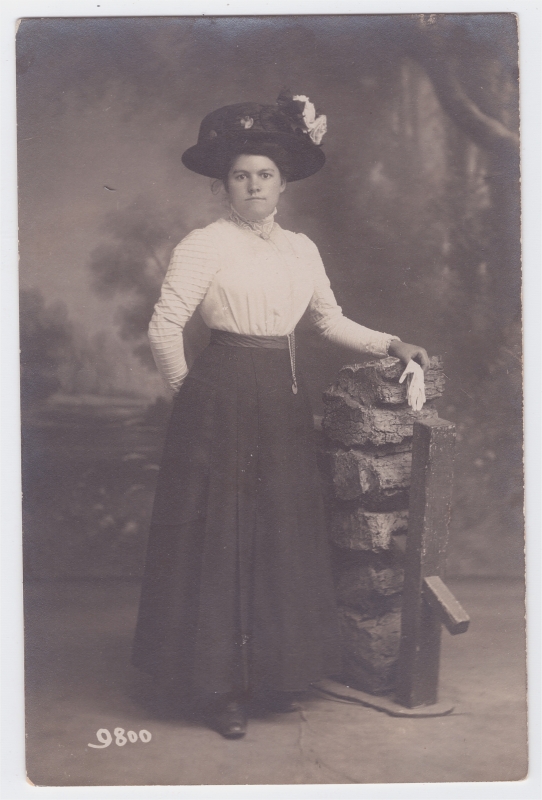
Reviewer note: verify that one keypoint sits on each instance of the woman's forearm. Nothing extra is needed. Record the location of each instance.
(166, 340)
(347, 333)
(193, 264)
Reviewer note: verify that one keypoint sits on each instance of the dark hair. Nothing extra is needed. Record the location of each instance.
(269, 149)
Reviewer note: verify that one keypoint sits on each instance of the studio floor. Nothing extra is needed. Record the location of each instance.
(79, 680)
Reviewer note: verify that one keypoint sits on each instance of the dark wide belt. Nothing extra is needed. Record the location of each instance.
(245, 340)
(229, 339)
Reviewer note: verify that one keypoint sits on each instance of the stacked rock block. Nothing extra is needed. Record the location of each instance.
(366, 461)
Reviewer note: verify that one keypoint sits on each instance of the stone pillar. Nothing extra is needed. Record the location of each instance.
(366, 462)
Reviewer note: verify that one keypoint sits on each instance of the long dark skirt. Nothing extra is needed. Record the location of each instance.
(237, 591)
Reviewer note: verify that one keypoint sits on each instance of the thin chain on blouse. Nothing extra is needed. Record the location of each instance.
(291, 348)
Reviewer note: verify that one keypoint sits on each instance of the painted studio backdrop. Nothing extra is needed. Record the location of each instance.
(416, 214)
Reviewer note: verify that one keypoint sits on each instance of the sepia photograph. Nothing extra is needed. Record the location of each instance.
(271, 399)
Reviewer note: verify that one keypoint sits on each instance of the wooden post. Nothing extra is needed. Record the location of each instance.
(427, 602)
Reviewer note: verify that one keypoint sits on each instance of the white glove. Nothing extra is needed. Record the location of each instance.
(415, 385)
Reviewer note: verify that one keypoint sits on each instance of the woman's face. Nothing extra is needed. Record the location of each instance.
(254, 185)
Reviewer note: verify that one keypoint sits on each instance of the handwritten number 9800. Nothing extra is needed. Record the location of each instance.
(105, 738)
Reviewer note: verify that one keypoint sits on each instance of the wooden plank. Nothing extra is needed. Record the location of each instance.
(429, 515)
(443, 603)
(343, 693)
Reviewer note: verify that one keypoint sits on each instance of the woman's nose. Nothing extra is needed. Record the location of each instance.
(253, 186)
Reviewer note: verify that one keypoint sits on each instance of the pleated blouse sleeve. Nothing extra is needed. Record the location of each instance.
(327, 315)
(193, 264)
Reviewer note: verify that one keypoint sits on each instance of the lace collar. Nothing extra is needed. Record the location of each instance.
(261, 227)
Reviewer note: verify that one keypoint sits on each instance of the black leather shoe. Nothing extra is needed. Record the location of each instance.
(230, 720)
(281, 702)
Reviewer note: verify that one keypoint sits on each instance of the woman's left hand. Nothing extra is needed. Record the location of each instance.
(407, 352)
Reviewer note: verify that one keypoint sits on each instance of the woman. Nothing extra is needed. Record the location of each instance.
(237, 597)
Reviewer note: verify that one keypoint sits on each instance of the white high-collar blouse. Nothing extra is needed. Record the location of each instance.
(251, 279)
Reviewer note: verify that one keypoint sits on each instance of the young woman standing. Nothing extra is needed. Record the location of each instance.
(237, 597)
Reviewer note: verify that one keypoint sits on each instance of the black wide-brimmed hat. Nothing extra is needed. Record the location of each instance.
(291, 123)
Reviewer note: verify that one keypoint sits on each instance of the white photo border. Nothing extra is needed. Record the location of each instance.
(13, 777)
